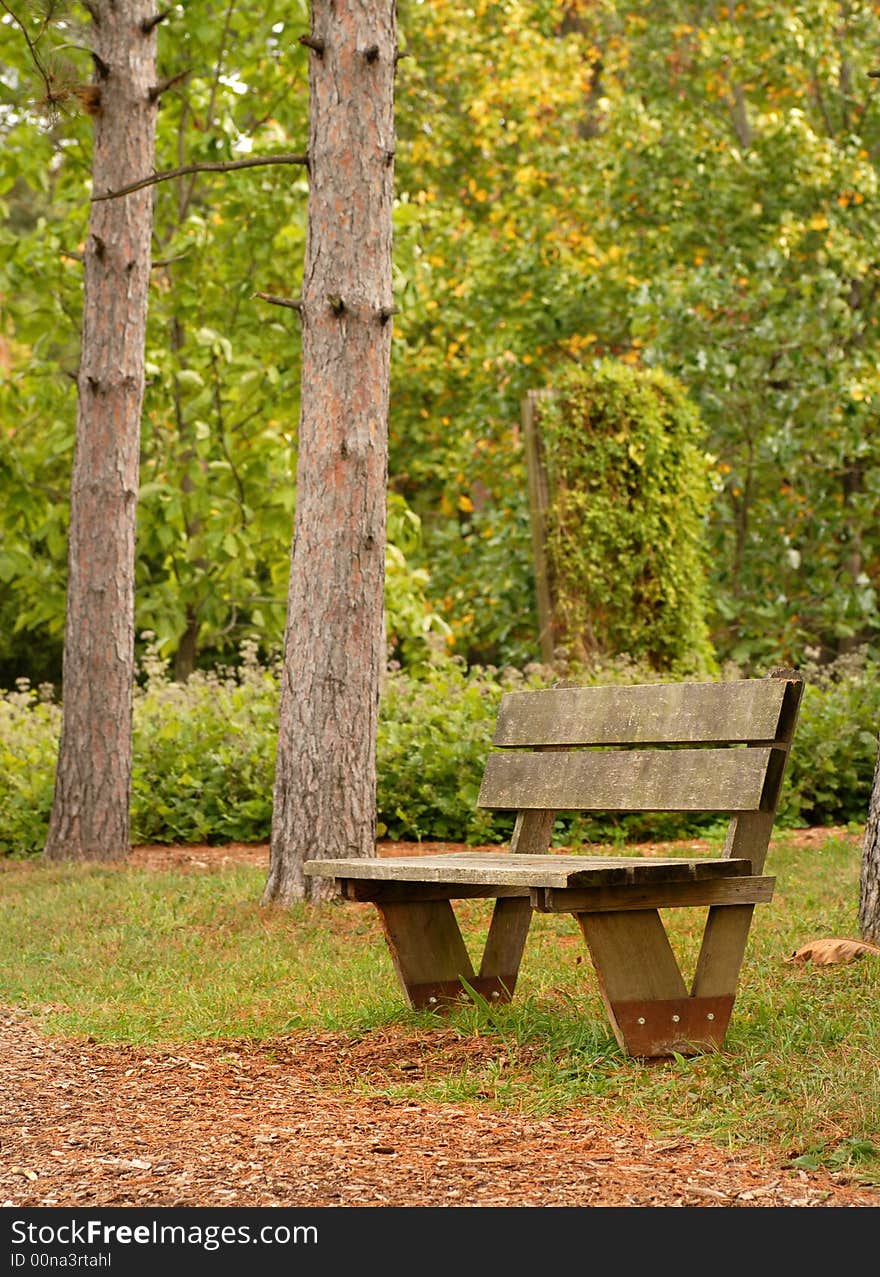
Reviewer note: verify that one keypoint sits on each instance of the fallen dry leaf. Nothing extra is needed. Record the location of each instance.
(830, 952)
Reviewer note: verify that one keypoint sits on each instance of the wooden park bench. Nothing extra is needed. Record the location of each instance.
(719, 747)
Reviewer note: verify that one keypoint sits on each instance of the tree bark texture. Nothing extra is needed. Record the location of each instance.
(869, 890)
(325, 780)
(90, 810)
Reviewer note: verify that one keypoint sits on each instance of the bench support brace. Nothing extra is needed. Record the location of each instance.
(430, 957)
(642, 987)
(650, 1009)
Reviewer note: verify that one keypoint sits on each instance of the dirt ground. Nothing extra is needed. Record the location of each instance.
(280, 1124)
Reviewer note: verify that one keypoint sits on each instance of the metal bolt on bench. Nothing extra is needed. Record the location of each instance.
(722, 748)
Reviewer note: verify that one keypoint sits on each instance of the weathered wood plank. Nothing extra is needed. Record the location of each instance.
(741, 711)
(634, 962)
(727, 930)
(722, 780)
(370, 891)
(426, 946)
(532, 832)
(722, 951)
(632, 956)
(502, 869)
(726, 933)
(506, 940)
(748, 889)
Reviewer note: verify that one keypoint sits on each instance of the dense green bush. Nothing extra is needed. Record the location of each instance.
(829, 776)
(629, 490)
(30, 724)
(204, 755)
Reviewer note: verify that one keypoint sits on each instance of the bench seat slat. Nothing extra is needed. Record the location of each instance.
(504, 869)
(747, 710)
(722, 780)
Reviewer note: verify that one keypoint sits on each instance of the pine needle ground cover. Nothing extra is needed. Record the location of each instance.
(142, 956)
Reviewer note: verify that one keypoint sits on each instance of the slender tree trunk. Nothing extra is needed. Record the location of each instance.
(90, 810)
(325, 781)
(869, 893)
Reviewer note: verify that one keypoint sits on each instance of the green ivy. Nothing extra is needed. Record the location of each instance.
(629, 493)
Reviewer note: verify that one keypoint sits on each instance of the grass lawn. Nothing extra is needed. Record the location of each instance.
(144, 956)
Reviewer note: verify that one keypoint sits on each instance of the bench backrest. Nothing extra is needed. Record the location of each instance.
(730, 744)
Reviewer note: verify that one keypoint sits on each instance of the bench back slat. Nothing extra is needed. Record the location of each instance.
(745, 711)
(709, 780)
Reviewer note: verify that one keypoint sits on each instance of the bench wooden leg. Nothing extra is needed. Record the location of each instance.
(431, 959)
(643, 989)
(504, 945)
(722, 952)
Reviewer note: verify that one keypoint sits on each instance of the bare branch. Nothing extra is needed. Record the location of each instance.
(150, 24)
(167, 261)
(206, 166)
(293, 303)
(312, 42)
(164, 85)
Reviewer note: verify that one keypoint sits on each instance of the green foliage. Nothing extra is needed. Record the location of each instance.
(681, 186)
(685, 186)
(628, 494)
(413, 626)
(218, 456)
(204, 755)
(831, 769)
(30, 724)
(434, 735)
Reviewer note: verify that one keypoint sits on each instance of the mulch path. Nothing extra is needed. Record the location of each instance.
(281, 1123)
(247, 1124)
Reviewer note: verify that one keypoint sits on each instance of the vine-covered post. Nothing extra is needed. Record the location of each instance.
(325, 780)
(619, 488)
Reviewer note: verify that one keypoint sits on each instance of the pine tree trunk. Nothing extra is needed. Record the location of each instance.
(90, 810)
(869, 893)
(325, 781)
